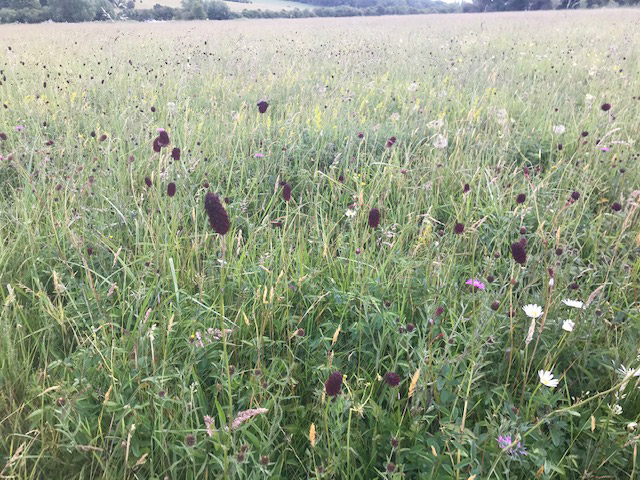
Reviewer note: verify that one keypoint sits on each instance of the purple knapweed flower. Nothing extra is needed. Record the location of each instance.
(475, 284)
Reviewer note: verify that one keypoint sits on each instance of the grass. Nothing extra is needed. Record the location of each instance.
(109, 286)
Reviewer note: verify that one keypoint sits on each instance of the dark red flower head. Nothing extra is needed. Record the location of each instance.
(262, 106)
(333, 384)
(575, 195)
(458, 228)
(391, 142)
(519, 253)
(175, 154)
(374, 217)
(466, 188)
(606, 107)
(218, 218)
(163, 139)
(148, 182)
(392, 379)
(171, 189)
(103, 137)
(616, 207)
(521, 198)
(3, 136)
(156, 145)
(286, 192)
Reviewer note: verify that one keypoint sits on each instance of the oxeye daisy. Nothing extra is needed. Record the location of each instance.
(573, 303)
(546, 378)
(532, 310)
(568, 325)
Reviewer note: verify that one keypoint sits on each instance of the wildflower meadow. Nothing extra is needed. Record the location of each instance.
(397, 248)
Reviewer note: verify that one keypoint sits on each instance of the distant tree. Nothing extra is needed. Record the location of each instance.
(217, 10)
(104, 10)
(19, 4)
(73, 10)
(193, 10)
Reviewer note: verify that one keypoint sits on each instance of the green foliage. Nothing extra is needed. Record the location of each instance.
(73, 10)
(217, 10)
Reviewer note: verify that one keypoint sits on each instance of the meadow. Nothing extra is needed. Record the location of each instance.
(383, 247)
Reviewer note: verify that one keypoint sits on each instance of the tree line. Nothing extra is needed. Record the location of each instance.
(35, 11)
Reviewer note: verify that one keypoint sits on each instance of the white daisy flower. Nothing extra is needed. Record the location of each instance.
(546, 378)
(350, 212)
(568, 325)
(559, 129)
(625, 372)
(532, 310)
(573, 303)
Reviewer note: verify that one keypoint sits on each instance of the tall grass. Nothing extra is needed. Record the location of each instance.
(125, 320)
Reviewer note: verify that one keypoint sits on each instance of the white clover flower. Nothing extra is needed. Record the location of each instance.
(532, 310)
(440, 142)
(573, 303)
(631, 426)
(546, 378)
(412, 87)
(559, 129)
(568, 325)
(616, 409)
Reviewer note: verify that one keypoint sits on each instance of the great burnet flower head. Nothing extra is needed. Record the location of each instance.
(286, 192)
(374, 217)
(519, 253)
(333, 384)
(218, 218)
(262, 106)
(392, 379)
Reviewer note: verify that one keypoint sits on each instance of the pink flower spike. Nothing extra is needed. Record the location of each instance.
(160, 130)
(259, 155)
(475, 283)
